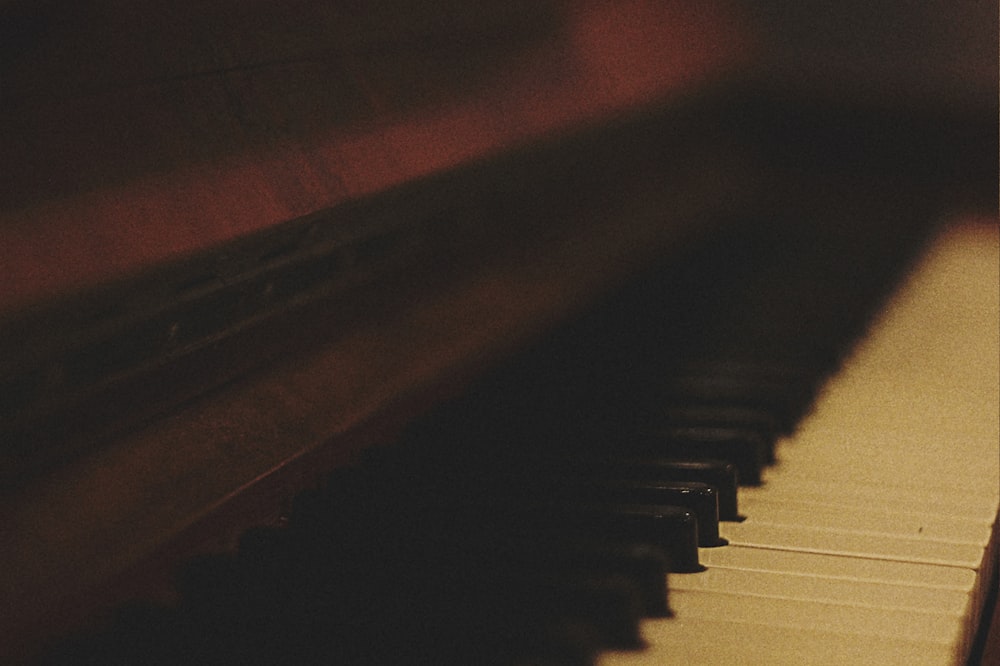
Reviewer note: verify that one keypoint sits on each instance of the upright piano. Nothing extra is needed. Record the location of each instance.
(437, 332)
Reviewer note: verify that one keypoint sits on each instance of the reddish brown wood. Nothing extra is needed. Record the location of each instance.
(135, 134)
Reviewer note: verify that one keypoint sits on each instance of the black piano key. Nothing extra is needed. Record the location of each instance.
(745, 449)
(671, 528)
(520, 641)
(644, 565)
(700, 498)
(464, 592)
(440, 597)
(568, 483)
(719, 474)
(611, 604)
(693, 413)
(756, 420)
(782, 391)
(450, 559)
(501, 618)
(562, 643)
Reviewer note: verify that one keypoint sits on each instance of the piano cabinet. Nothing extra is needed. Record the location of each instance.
(246, 246)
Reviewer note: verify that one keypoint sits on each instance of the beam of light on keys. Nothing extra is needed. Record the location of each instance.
(873, 539)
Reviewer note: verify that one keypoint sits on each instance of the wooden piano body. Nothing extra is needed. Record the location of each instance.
(243, 243)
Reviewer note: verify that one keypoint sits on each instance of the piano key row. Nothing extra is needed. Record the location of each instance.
(401, 559)
(874, 539)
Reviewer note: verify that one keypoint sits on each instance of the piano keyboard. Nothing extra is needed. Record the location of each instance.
(869, 541)
(873, 539)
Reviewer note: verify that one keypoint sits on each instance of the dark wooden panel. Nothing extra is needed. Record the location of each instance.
(136, 133)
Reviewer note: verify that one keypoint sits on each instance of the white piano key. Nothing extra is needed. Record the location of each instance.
(855, 606)
(714, 642)
(809, 539)
(901, 524)
(968, 506)
(825, 589)
(796, 614)
(836, 567)
(870, 520)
